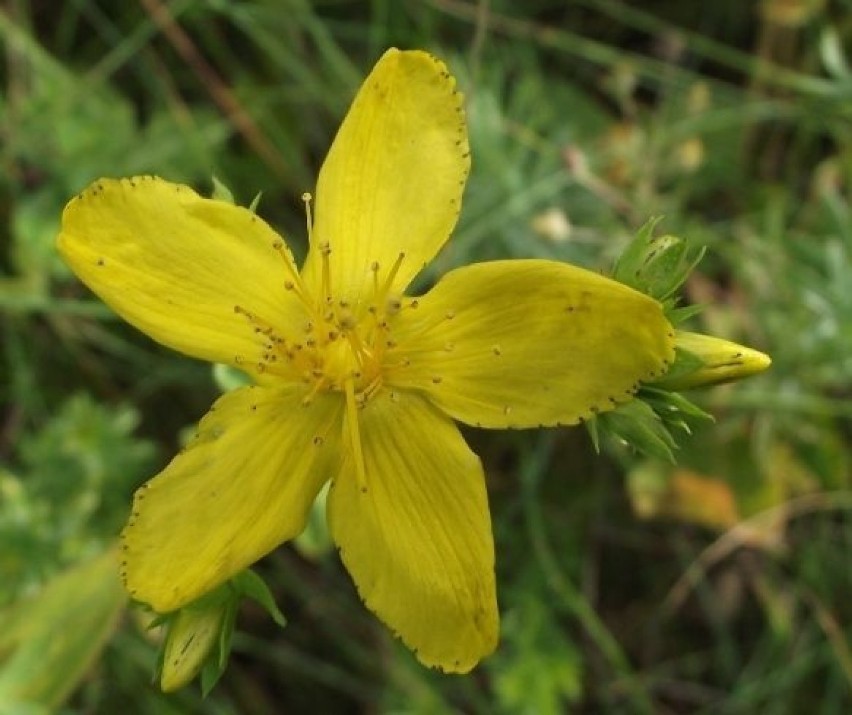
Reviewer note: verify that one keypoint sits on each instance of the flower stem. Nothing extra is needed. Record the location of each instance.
(534, 465)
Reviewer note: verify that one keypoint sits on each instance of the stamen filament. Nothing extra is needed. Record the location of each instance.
(382, 294)
(358, 348)
(318, 385)
(355, 435)
(374, 267)
(260, 325)
(295, 283)
(306, 197)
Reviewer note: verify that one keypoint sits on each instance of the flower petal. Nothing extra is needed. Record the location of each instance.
(393, 179)
(528, 343)
(175, 265)
(417, 537)
(243, 486)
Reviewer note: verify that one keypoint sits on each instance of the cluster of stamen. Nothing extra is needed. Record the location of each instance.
(340, 347)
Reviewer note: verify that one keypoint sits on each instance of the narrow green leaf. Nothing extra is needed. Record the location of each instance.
(253, 586)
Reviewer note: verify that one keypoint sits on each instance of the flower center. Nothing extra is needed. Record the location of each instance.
(335, 347)
(340, 348)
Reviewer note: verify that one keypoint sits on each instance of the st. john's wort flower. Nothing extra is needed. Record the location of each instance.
(355, 382)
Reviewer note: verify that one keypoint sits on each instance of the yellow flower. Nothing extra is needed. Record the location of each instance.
(355, 382)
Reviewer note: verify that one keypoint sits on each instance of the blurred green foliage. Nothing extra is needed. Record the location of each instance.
(70, 493)
(50, 641)
(627, 584)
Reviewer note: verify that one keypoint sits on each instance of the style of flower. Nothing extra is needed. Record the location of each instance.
(355, 382)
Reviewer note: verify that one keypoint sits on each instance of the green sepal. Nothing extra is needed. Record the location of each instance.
(684, 312)
(648, 422)
(637, 424)
(216, 665)
(685, 363)
(229, 378)
(656, 266)
(629, 263)
(248, 583)
(221, 192)
(192, 636)
(593, 428)
(315, 540)
(198, 636)
(671, 406)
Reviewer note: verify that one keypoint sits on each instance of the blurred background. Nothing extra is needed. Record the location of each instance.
(627, 584)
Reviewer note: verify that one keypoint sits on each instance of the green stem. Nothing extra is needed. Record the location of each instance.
(534, 466)
(601, 53)
(807, 405)
(28, 304)
(702, 45)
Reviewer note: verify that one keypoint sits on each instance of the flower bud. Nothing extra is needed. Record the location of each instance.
(193, 633)
(656, 266)
(703, 360)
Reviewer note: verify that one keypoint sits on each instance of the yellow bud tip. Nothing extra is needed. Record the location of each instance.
(704, 360)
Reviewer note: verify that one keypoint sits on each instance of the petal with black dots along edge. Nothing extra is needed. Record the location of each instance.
(416, 536)
(525, 343)
(393, 179)
(243, 486)
(176, 265)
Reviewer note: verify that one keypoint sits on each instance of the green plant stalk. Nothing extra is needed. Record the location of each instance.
(534, 463)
